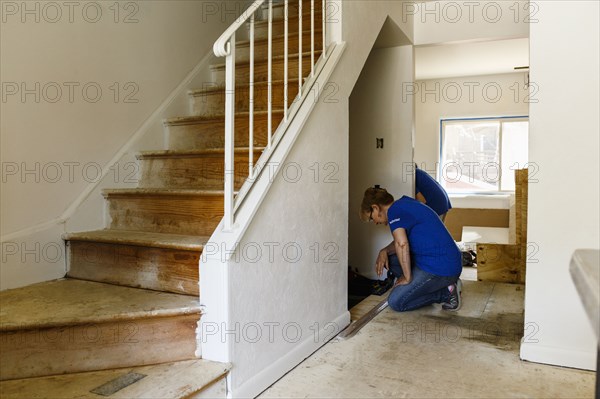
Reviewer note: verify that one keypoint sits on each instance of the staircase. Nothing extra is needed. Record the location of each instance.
(122, 323)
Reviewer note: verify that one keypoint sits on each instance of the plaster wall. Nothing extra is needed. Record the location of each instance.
(563, 205)
(83, 88)
(377, 110)
(455, 21)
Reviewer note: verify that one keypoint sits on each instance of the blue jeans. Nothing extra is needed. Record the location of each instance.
(424, 288)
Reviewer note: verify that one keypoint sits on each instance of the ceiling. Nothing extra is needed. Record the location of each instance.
(471, 58)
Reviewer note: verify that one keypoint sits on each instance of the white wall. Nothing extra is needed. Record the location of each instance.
(452, 21)
(308, 292)
(147, 48)
(563, 204)
(377, 110)
(302, 288)
(361, 24)
(473, 96)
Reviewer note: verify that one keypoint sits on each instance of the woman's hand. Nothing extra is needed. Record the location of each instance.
(381, 262)
(402, 281)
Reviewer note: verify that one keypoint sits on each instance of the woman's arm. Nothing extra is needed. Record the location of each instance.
(382, 259)
(403, 252)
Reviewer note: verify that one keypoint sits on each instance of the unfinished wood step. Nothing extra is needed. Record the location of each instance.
(211, 100)
(155, 261)
(187, 212)
(279, 11)
(196, 169)
(261, 28)
(69, 326)
(242, 69)
(261, 46)
(197, 378)
(202, 132)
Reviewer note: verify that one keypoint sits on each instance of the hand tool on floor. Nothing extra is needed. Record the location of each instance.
(355, 326)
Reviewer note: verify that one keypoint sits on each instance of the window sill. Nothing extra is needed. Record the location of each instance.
(481, 201)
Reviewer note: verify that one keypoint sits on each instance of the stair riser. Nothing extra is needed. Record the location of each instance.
(214, 102)
(279, 11)
(242, 52)
(261, 30)
(193, 215)
(212, 134)
(206, 172)
(101, 346)
(160, 269)
(242, 72)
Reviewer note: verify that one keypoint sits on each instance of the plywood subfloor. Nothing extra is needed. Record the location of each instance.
(473, 353)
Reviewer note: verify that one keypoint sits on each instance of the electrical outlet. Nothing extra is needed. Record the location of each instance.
(379, 143)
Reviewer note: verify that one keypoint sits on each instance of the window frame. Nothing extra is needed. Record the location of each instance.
(441, 160)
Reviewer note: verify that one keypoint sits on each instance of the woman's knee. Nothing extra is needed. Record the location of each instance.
(397, 300)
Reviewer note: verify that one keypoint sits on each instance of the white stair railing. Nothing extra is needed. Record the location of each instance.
(225, 47)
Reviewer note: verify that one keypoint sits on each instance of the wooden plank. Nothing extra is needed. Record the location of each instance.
(198, 171)
(507, 263)
(260, 28)
(212, 101)
(242, 52)
(69, 325)
(165, 212)
(364, 306)
(68, 302)
(183, 379)
(211, 133)
(499, 262)
(242, 71)
(97, 346)
(521, 203)
(161, 269)
(457, 218)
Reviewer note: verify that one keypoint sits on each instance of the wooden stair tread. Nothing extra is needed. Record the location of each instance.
(140, 238)
(243, 87)
(193, 153)
(291, 35)
(292, 20)
(159, 192)
(194, 119)
(167, 380)
(69, 302)
(243, 64)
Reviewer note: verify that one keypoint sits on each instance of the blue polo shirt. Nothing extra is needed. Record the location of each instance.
(432, 248)
(434, 193)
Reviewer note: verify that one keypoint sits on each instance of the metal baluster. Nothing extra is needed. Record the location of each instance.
(285, 60)
(300, 48)
(312, 37)
(229, 131)
(251, 103)
(270, 76)
(324, 28)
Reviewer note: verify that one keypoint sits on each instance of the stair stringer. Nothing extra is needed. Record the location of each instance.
(219, 255)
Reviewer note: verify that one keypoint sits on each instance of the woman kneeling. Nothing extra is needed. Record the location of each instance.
(423, 256)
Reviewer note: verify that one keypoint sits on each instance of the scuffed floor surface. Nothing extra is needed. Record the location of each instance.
(431, 353)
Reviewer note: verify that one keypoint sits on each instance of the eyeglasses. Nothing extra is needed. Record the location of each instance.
(371, 215)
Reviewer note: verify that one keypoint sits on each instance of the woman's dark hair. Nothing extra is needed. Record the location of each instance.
(374, 196)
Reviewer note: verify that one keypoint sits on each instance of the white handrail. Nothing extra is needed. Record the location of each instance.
(220, 47)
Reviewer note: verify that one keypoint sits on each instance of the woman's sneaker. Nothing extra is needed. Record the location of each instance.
(455, 300)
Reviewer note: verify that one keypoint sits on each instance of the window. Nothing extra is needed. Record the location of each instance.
(480, 155)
